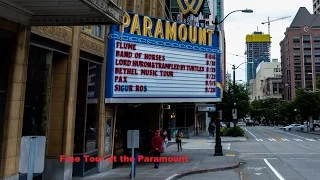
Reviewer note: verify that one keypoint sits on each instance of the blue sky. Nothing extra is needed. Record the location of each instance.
(239, 24)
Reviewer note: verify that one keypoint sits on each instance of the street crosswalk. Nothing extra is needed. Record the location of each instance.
(286, 140)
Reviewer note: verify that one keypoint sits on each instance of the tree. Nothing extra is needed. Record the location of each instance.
(318, 84)
(269, 110)
(307, 103)
(242, 102)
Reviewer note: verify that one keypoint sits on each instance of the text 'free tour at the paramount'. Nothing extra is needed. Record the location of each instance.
(128, 62)
(124, 159)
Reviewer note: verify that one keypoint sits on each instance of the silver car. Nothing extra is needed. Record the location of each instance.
(294, 127)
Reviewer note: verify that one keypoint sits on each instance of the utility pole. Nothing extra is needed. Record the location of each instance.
(218, 117)
(234, 109)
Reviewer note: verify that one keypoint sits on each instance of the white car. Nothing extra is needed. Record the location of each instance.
(294, 127)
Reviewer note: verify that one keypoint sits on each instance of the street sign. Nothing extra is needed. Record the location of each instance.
(133, 139)
(32, 155)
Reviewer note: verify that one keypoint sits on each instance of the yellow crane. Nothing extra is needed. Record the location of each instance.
(269, 21)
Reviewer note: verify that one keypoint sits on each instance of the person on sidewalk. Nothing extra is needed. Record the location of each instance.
(165, 140)
(179, 139)
(156, 147)
(211, 129)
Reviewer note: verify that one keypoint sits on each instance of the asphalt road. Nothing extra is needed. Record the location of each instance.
(274, 154)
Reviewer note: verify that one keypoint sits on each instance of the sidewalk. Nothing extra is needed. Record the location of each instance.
(200, 153)
(317, 132)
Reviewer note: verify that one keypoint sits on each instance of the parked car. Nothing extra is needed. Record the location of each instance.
(222, 124)
(249, 122)
(256, 123)
(316, 123)
(294, 127)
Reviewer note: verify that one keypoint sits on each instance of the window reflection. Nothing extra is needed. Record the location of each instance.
(97, 31)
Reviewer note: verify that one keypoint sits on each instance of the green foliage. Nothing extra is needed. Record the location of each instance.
(305, 104)
(318, 83)
(229, 131)
(242, 101)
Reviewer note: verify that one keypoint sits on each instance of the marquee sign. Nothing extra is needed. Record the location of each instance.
(157, 61)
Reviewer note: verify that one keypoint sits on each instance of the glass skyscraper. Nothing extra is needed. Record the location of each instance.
(257, 51)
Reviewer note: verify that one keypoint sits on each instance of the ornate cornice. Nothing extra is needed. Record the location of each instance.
(92, 45)
(109, 8)
(61, 34)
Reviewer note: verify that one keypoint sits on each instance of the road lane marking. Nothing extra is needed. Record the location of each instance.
(274, 170)
(284, 139)
(230, 155)
(272, 139)
(273, 135)
(251, 133)
(291, 134)
(297, 139)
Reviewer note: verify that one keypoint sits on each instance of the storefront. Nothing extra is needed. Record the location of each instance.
(154, 64)
(39, 76)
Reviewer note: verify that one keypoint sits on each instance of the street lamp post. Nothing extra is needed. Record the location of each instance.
(234, 109)
(218, 146)
(216, 23)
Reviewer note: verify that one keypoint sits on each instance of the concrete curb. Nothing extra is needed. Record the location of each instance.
(199, 171)
(310, 133)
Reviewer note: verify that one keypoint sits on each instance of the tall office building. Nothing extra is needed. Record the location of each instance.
(316, 6)
(257, 51)
(300, 53)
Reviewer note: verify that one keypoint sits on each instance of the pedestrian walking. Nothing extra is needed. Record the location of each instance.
(165, 140)
(179, 139)
(156, 144)
(211, 129)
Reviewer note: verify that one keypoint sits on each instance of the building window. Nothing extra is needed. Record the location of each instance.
(97, 31)
(276, 70)
(306, 38)
(206, 16)
(307, 59)
(296, 39)
(207, 23)
(317, 59)
(298, 85)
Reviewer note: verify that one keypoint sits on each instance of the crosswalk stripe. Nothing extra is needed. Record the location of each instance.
(297, 139)
(259, 139)
(272, 139)
(310, 140)
(284, 139)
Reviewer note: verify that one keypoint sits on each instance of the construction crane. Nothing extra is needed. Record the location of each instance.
(268, 22)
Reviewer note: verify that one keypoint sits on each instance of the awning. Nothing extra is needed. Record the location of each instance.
(61, 12)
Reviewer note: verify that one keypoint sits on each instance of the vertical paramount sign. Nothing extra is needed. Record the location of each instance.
(153, 60)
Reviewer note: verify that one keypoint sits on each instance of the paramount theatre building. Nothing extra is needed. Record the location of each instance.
(157, 71)
(49, 52)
